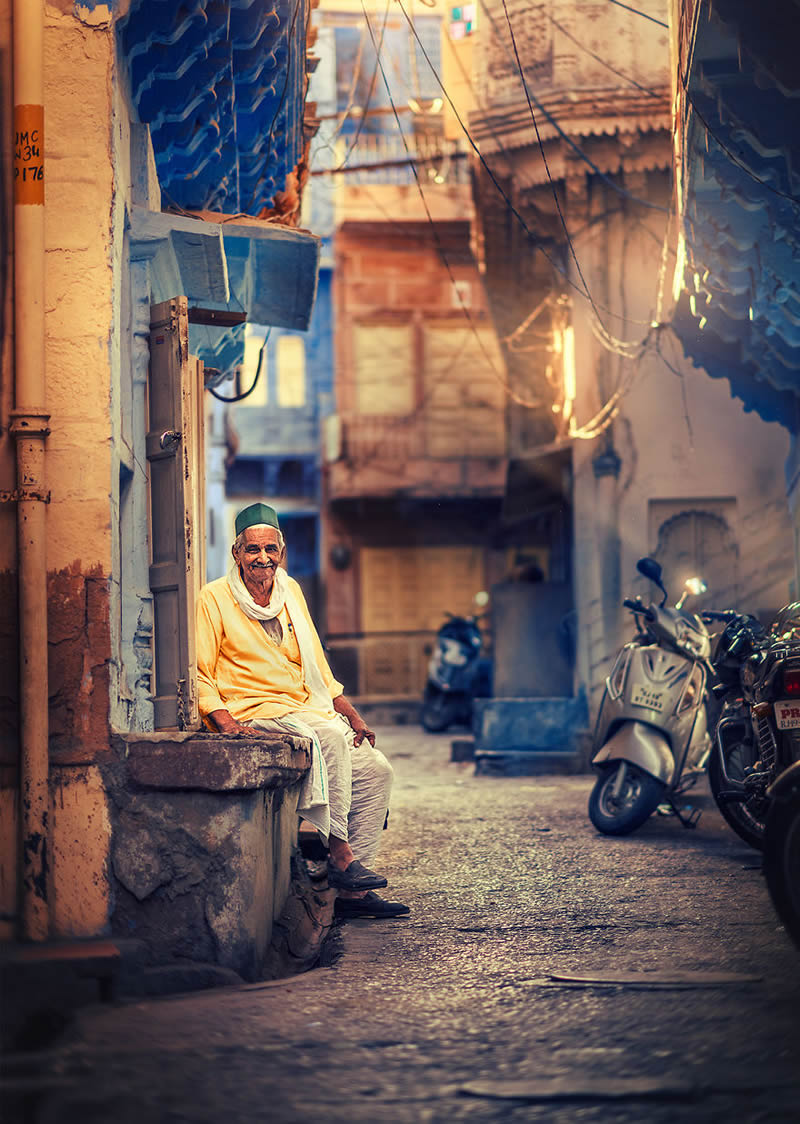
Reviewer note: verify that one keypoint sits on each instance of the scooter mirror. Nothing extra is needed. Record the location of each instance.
(650, 569)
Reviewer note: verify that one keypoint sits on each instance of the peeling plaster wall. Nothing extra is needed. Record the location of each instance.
(80, 838)
(80, 835)
(720, 456)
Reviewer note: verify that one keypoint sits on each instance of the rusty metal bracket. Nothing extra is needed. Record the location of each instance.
(24, 494)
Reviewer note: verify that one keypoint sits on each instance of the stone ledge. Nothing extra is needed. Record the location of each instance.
(205, 762)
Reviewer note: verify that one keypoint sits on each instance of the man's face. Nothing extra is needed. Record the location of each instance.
(258, 555)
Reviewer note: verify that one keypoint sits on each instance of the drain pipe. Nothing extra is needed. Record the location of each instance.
(29, 428)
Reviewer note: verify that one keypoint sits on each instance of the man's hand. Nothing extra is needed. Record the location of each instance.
(360, 728)
(227, 724)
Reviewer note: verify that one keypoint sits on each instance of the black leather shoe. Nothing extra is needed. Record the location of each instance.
(371, 905)
(355, 877)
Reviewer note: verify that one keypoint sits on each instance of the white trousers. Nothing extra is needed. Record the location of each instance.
(359, 780)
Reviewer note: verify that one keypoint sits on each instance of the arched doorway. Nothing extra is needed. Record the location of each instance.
(699, 543)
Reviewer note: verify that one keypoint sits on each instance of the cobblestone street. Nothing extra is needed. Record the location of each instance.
(457, 1013)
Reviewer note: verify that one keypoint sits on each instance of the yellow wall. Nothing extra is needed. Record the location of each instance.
(80, 838)
(79, 192)
(79, 195)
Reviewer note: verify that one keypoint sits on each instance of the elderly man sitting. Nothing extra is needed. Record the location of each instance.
(260, 666)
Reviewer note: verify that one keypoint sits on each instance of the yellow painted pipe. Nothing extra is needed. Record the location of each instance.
(29, 427)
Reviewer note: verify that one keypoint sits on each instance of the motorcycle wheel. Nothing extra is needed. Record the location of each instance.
(437, 713)
(740, 817)
(782, 861)
(619, 815)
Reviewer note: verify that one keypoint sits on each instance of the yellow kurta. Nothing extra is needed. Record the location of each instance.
(241, 670)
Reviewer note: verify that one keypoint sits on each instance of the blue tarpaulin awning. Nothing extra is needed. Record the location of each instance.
(739, 313)
(221, 84)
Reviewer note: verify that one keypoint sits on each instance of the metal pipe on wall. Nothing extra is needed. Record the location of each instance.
(29, 427)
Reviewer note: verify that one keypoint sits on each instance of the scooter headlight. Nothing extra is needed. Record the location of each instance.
(616, 680)
(452, 652)
(692, 640)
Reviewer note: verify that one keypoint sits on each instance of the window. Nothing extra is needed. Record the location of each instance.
(407, 588)
(384, 368)
(290, 352)
(253, 347)
(464, 397)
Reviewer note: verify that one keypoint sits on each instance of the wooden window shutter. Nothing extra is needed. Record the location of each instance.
(176, 476)
(465, 400)
(384, 368)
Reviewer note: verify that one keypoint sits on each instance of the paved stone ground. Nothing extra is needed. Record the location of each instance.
(452, 1015)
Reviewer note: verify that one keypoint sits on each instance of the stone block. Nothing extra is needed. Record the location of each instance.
(212, 763)
(203, 830)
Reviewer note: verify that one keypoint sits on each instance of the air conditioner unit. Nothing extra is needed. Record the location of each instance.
(332, 439)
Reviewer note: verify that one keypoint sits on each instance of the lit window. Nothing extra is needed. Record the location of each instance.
(253, 343)
(291, 363)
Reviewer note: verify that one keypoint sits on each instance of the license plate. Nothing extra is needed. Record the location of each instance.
(645, 696)
(787, 715)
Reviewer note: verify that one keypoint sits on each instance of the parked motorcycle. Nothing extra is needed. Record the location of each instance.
(782, 848)
(651, 740)
(457, 674)
(737, 656)
(758, 737)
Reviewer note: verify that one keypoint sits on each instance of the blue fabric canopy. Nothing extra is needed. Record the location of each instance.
(739, 314)
(221, 83)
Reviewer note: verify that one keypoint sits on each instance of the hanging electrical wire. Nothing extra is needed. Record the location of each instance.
(370, 92)
(637, 12)
(626, 349)
(568, 139)
(512, 394)
(535, 240)
(245, 394)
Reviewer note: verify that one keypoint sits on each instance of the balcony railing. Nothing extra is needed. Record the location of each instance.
(440, 160)
(372, 454)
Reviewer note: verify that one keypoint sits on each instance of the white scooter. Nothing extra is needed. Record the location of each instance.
(651, 740)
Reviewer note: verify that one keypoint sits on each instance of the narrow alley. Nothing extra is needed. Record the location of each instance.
(469, 1009)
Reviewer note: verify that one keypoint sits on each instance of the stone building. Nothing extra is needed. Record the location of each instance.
(737, 287)
(152, 218)
(622, 442)
(415, 453)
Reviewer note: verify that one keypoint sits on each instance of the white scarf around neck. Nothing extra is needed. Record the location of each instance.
(280, 595)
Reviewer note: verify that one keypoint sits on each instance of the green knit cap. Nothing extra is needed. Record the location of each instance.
(256, 515)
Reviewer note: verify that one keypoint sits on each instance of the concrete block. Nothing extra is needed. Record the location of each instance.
(531, 725)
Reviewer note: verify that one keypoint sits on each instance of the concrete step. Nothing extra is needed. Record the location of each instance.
(528, 763)
(42, 985)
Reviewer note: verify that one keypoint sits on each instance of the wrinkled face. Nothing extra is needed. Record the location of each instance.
(258, 555)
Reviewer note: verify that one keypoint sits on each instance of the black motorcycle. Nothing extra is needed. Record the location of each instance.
(733, 758)
(782, 848)
(758, 735)
(457, 674)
